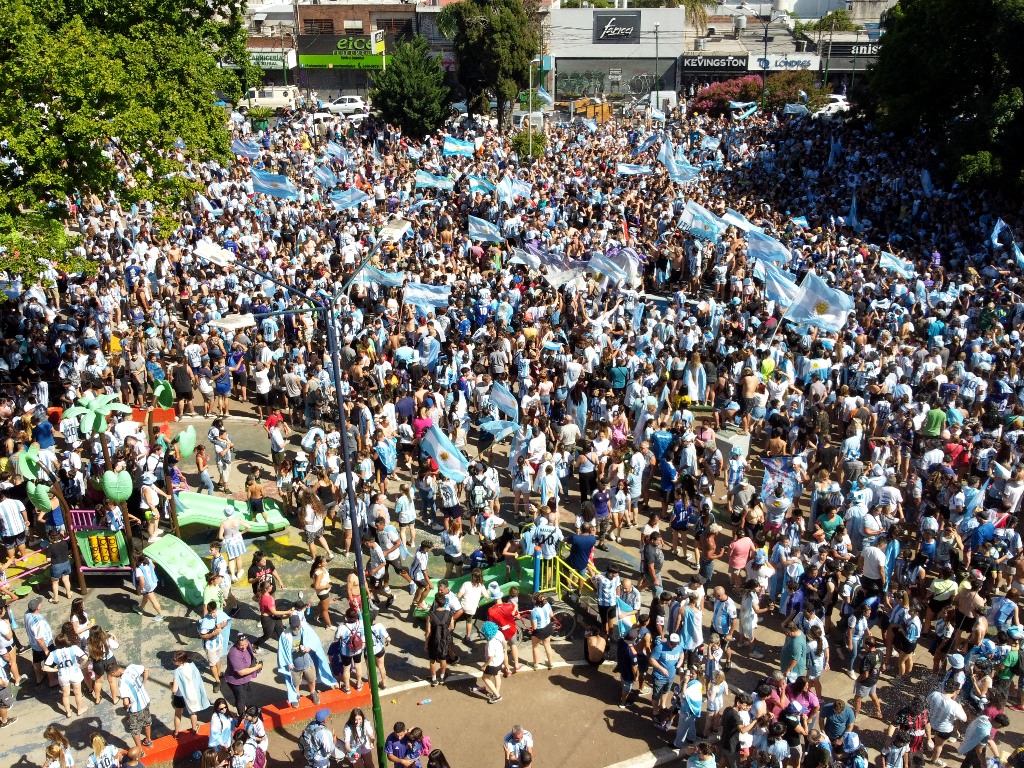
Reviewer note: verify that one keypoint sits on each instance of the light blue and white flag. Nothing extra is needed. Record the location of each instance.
(505, 191)
(667, 156)
(591, 125)
(504, 401)
(748, 112)
(684, 174)
(767, 248)
(779, 286)
(480, 184)
(738, 220)
(996, 231)
(450, 461)
(977, 501)
(499, 428)
(369, 274)
(274, 185)
(245, 148)
(710, 143)
(795, 109)
(819, 305)
(347, 198)
(895, 264)
(835, 153)
(521, 256)
(601, 263)
(644, 145)
(481, 229)
(657, 114)
(629, 169)
(742, 105)
(544, 96)
(700, 222)
(926, 183)
(325, 176)
(414, 154)
(851, 220)
(427, 296)
(375, 154)
(421, 204)
(1018, 256)
(430, 181)
(521, 188)
(800, 221)
(336, 150)
(453, 146)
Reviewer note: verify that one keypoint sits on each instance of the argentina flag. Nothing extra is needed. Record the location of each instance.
(450, 461)
(819, 305)
(245, 148)
(453, 146)
(274, 185)
(481, 229)
(430, 181)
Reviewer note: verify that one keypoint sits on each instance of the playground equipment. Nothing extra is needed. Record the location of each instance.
(201, 509)
(185, 568)
(102, 551)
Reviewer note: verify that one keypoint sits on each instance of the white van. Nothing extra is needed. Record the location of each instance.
(664, 100)
(536, 118)
(272, 96)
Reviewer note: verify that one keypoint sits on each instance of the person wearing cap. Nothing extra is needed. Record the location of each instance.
(664, 662)
(320, 739)
(301, 658)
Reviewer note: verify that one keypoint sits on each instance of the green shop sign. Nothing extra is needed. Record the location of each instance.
(353, 52)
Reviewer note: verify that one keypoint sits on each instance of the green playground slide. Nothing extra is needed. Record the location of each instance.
(86, 550)
(494, 573)
(201, 509)
(184, 567)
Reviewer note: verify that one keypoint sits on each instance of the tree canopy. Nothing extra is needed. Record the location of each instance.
(99, 97)
(411, 92)
(959, 71)
(494, 43)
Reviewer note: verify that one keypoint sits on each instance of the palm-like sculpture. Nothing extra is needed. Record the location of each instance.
(92, 412)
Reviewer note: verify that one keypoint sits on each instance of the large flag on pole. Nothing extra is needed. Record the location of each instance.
(779, 286)
(450, 461)
(544, 96)
(427, 296)
(818, 305)
(246, 149)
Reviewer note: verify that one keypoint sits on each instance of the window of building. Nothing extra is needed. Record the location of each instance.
(393, 26)
(318, 26)
(355, 26)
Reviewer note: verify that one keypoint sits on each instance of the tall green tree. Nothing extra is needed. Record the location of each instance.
(960, 73)
(93, 98)
(494, 42)
(411, 92)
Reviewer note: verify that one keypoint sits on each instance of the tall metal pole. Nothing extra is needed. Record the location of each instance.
(657, 69)
(529, 114)
(764, 65)
(853, 77)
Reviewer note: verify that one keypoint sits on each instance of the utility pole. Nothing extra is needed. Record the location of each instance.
(657, 68)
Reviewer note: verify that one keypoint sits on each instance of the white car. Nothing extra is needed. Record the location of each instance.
(836, 105)
(346, 105)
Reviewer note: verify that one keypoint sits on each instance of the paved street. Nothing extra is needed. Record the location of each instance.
(571, 711)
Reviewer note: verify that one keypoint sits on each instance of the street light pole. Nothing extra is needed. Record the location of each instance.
(392, 231)
(853, 77)
(764, 64)
(657, 67)
(529, 116)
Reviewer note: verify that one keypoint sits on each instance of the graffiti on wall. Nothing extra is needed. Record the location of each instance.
(580, 83)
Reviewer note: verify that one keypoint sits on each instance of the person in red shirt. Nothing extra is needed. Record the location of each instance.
(504, 614)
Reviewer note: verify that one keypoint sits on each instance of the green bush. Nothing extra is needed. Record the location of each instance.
(521, 143)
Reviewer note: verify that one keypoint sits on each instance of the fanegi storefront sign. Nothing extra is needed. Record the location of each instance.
(711, 62)
(785, 62)
(334, 52)
(617, 27)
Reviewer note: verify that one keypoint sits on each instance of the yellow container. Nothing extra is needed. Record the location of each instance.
(115, 552)
(94, 547)
(104, 550)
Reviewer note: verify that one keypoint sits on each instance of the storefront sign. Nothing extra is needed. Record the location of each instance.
(849, 49)
(617, 27)
(709, 62)
(264, 59)
(783, 62)
(333, 52)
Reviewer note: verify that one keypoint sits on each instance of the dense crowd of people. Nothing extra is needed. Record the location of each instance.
(649, 366)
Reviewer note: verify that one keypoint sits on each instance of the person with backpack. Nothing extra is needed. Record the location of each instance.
(316, 742)
(351, 643)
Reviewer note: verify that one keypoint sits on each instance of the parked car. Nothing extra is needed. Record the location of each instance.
(836, 105)
(277, 97)
(347, 105)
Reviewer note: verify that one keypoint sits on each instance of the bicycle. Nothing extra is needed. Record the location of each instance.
(563, 624)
